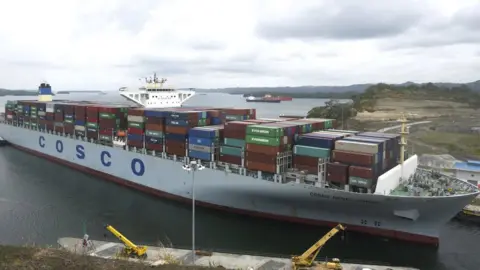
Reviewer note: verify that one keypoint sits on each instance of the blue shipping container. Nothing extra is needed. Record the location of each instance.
(79, 123)
(201, 141)
(202, 132)
(216, 121)
(135, 137)
(319, 142)
(178, 122)
(153, 140)
(200, 155)
(175, 137)
(156, 113)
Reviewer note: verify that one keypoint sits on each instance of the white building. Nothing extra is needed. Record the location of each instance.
(469, 171)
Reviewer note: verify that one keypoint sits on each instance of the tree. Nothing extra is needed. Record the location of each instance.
(333, 109)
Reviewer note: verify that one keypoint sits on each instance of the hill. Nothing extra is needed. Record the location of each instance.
(326, 91)
(6, 92)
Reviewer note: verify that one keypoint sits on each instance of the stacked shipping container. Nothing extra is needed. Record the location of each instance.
(231, 136)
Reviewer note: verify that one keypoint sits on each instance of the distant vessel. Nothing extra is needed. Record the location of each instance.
(255, 99)
(281, 98)
(299, 170)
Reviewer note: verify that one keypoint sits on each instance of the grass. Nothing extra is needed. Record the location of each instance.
(28, 257)
(455, 143)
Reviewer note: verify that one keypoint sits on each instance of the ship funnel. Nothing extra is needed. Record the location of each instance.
(45, 92)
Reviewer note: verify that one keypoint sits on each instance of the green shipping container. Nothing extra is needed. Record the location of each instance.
(309, 151)
(270, 141)
(135, 124)
(69, 121)
(202, 122)
(92, 125)
(230, 150)
(265, 131)
(234, 142)
(105, 138)
(154, 133)
(107, 115)
(359, 182)
(328, 124)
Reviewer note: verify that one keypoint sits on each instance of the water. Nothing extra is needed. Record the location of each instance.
(41, 201)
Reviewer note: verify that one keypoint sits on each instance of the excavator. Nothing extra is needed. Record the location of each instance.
(306, 260)
(130, 250)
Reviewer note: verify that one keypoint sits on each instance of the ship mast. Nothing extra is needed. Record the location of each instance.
(403, 138)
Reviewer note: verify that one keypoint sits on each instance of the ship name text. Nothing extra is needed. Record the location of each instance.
(339, 198)
(137, 166)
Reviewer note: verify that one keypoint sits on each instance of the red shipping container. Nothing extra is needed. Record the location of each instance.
(137, 144)
(362, 172)
(337, 173)
(260, 157)
(92, 119)
(260, 166)
(136, 111)
(173, 150)
(59, 117)
(306, 161)
(137, 131)
(233, 134)
(264, 149)
(69, 128)
(238, 111)
(155, 147)
(230, 159)
(176, 144)
(354, 158)
(106, 131)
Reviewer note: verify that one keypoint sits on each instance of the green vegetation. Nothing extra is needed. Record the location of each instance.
(5, 92)
(367, 100)
(459, 144)
(333, 109)
(13, 258)
(320, 95)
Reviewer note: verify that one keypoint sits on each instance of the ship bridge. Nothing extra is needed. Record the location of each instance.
(154, 94)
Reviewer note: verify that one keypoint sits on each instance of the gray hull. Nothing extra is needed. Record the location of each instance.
(371, 213)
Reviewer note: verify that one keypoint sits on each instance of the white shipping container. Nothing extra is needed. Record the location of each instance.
(361, 147)
(40, 113)
(50, 110)
(80, 128)
(136, 118)
(9, 116)
(201, 148)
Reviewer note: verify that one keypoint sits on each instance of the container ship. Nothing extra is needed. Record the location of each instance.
(289, 169)
(261, 99)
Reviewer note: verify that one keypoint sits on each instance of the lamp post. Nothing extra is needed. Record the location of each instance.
(193, 167)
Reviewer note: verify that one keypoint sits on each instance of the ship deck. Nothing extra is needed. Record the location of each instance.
(162, 255)
(427, 183)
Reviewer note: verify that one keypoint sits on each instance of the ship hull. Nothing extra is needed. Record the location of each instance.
(264, 100)
(368, 213)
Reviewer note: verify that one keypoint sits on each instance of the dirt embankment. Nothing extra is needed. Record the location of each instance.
(452, 130)
(30, 258)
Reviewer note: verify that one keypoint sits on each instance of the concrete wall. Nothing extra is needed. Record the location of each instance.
(391, 179)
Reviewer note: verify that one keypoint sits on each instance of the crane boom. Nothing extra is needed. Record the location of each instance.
(130, 249)
(307, 258)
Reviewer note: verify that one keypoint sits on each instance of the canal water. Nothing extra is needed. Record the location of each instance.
(41, 201)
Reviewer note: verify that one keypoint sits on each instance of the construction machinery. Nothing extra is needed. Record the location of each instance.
(130, 249)
(306, 260)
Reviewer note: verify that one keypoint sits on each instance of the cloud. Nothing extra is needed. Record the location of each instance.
(348, 19)
(215, 43)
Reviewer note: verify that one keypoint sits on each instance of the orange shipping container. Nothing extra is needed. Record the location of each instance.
(177, 129)
(362, 172)
(175, 150)
(155, 127)
(260, 166)
(176, 144)
(233, 134)
(155, 147)
(230, 159)
(136, 111)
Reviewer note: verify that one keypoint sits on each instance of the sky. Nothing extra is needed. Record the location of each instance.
(104, 45)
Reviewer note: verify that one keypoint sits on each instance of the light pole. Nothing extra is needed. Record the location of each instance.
(193, 167)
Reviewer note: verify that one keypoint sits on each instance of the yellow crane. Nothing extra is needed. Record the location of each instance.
(130, 249)
(307, 258)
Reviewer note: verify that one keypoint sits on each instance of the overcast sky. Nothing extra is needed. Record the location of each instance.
(105, 44)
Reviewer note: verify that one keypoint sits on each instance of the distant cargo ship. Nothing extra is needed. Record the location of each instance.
(256, 99)
(298, 170)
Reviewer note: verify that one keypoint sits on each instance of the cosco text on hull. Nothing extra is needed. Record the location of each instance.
(105, 158)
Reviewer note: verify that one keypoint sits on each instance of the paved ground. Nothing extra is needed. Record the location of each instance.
(160, 255)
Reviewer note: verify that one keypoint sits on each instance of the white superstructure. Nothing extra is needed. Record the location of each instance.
(154, 94)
